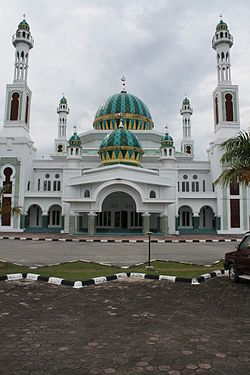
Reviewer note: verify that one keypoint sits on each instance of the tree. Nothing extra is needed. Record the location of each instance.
(15, 210)
(235, 160)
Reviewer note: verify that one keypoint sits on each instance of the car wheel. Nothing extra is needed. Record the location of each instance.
(233, 273)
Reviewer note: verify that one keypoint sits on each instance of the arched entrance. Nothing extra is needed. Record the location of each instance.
(119, 215)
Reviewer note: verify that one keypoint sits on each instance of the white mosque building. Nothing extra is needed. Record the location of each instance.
(122, 176)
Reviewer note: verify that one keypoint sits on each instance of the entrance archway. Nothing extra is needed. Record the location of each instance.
(119, 215)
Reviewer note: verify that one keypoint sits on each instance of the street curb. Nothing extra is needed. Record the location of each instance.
(104, 279)
(87, 240)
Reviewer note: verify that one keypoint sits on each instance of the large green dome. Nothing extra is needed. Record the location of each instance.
(121, 147)
(134, 112)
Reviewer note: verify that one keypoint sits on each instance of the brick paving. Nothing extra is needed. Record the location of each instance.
(125, 328)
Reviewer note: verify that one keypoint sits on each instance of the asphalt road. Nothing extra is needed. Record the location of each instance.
(35, 253)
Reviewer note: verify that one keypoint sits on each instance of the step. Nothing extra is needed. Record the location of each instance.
(245, 277)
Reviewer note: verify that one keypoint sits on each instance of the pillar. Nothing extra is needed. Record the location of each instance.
(45, 220)
(164, 224)
(196, 221)
(62, 222)
(72, 225)
(145, 223)
(91, 223)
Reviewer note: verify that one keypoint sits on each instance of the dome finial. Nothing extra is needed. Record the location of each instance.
(123, 79)
(24, 15)
(166, 127)
(221, 16)
(75, 129)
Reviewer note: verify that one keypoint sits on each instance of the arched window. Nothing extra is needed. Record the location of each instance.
(14, 106)
(229, 107)
(188, 150)
(28, 186)
(170, 152)
(221, 34)
(87, 194)
(8, 172)
(216, 111)
(222, 56)
(27, 110)
(59, 148)
(152, 194)
(6, 201)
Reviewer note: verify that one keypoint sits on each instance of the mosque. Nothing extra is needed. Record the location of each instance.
(122, 177)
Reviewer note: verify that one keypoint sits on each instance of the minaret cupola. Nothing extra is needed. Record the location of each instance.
(74, 147)
(167, 146)
(186, 111)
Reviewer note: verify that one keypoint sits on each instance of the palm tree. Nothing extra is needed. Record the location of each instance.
(235, 160)
(15, 210)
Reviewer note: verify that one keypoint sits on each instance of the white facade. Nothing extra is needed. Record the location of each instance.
(72, 192)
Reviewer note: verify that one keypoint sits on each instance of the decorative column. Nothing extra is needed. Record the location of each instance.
(145, 223)
(164, 224)
(91, 223)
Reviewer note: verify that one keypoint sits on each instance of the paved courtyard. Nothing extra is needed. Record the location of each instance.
(36, 253)
(123, 328)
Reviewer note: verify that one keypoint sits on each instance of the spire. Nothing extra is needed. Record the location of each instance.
(123, 79)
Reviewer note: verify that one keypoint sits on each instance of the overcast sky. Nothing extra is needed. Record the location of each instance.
(163, 47)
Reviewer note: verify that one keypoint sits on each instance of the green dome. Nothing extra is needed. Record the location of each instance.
(75, 140)
(23, 25)
(167, 141)
(186, 101)
(221, 26)
(63, 100)
(134, 112)
(121, 147)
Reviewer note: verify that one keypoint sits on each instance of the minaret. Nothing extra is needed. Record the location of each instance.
(225, 96)
(61, 140)
(187, 143)
(18, 94)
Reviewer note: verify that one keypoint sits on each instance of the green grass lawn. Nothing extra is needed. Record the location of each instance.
(84, 271)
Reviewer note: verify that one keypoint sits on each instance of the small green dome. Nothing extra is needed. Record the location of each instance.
(135, 113)
(221, 26)
(167, 140)
(186, 101)
(75, 140)
(23, 25)
(121, 146)
(63, 100)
